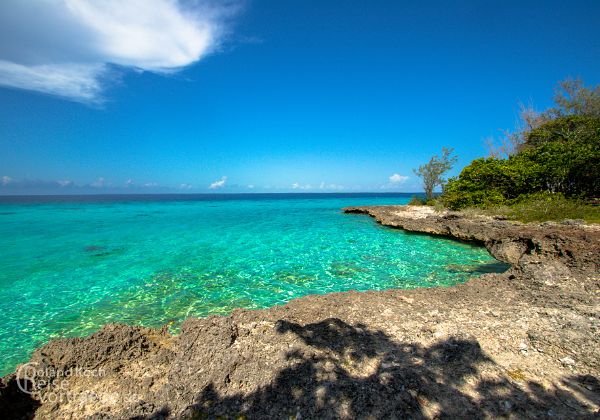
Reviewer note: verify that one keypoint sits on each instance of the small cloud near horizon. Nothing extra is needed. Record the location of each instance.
(398, 179)
(9, 185)
(322, 186)
(298, 186)
(70, 48)
(99, 183)
(218, 184)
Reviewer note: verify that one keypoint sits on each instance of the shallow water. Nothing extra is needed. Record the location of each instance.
(69, 266)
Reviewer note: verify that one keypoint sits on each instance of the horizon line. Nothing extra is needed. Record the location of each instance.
(205, 193)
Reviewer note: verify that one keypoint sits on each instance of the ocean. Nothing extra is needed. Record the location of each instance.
(71, 264)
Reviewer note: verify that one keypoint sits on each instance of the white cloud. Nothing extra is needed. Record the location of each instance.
(297, 186)
(100, 182)
(66, 47)
(331, 187)
(398, 179)
(186, 186)
(75, 81)
(6, 180)
(218, 184)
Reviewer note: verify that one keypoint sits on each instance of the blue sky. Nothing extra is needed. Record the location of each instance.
(271, 96)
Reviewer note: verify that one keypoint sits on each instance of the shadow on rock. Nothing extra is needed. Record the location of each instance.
(14, 403)
(328, 369)
(354, 372)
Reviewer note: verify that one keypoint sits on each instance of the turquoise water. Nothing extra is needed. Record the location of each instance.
(69, 267)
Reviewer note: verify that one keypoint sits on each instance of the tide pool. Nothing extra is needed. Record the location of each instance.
(70, 265)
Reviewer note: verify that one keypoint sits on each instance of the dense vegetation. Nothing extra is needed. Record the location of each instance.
(555, 160)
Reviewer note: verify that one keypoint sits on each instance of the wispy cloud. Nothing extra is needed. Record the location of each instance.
(66, 47)
(9, 185)
(298, 186)
(323, 186)
(398, 179)
(218, 184)
(99, 183)
(333, 187)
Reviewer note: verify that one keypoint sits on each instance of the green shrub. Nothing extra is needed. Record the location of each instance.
(582, 129)
(561, 156)
(417, 201)
(570, 167)
(482, 183)
(553, 162)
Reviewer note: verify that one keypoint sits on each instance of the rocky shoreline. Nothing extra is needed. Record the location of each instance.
(518, 344)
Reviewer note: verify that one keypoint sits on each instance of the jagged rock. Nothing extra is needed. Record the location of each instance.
(574, 245)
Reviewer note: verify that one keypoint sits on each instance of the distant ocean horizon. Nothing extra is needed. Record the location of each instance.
(71, 264)
(92, 197)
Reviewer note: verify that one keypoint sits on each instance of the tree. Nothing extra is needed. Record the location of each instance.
(553, 152)
(511, 143)
(560, 156)
(581, 129)
(433, 171)
(573, 98)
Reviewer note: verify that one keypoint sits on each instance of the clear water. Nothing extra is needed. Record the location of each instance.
(69, 266)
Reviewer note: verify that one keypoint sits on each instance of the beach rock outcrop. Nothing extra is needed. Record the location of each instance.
(575, 245)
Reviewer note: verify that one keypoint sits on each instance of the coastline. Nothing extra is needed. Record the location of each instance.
(521, 343)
